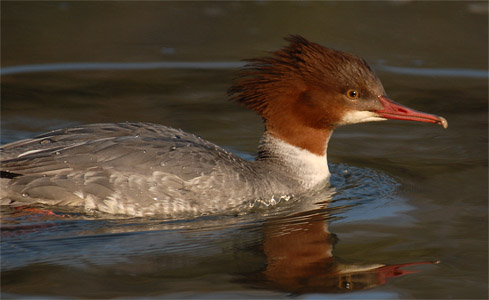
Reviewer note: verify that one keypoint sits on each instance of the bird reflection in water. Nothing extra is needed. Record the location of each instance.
(299, 254)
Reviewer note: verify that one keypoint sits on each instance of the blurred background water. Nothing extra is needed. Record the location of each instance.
(401, 192)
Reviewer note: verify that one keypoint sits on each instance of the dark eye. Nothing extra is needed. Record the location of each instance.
(352, 94)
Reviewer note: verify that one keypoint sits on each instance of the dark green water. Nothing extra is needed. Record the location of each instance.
(402, 192)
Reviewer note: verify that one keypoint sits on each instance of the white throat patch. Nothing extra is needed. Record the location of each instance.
(309, 168)
(353, 117)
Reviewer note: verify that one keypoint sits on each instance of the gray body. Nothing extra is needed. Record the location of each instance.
(143, 169)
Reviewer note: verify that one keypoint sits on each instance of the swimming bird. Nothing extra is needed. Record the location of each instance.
(302, 92)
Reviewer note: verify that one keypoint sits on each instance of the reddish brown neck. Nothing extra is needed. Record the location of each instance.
(311, 139)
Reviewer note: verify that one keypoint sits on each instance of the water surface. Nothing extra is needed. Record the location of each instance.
(400, 192)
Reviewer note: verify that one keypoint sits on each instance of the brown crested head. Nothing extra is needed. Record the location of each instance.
(304, 90)
(307, 74)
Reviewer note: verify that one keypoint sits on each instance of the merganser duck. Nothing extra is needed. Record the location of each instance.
(302, 92)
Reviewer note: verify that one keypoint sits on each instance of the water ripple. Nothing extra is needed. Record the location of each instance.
(215, 65)
(109, 66)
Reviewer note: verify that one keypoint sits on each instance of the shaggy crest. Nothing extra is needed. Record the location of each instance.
(293, 68)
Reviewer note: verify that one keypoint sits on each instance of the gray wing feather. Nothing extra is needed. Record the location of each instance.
(131, 168)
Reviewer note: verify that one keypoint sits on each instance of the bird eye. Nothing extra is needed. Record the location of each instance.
(352, 94)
